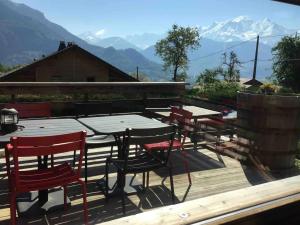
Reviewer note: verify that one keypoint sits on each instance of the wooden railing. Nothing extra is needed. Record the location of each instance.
(143, 89)
(222, 208)
(64, 95)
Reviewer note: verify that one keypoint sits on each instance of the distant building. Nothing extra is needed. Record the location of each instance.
(252, 85)
(253, 82)
(69, 64)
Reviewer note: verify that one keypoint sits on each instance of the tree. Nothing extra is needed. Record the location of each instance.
(4, 69)
(231, 73)
(181, 76)
(142, 76)
(209, 76)
(286, 66)
(173, 49)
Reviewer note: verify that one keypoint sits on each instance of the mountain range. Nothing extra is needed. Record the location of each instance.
(238, 34)
(27, 35)
(238, 29)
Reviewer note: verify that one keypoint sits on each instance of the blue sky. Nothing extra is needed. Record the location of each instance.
(125, 17)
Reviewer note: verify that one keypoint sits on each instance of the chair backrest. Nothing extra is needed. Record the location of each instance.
(31, 110)
(148, 136)
(162, 102)
(182, 118)
(47, 145)
(93, 108)
(128, 106)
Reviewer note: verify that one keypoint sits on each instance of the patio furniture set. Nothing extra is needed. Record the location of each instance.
(49, 138)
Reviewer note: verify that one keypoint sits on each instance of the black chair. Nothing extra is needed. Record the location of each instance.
(93, 108)
(97, 141)
(143, 162)
(128, 106)
(162, 102)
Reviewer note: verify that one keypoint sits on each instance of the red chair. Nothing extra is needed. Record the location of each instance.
(31, 110)
(183, 119)
(21, 181)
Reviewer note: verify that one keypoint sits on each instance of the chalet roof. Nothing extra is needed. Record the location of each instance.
(253, 82)
(71, 47)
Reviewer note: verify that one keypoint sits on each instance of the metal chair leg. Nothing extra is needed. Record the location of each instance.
(74, 158)
(147, 179)
(171, 181)
(144, 180)
(85, 208)
(65, 196)
(106, 180)
(172, 185)
(111, 150)
(85, 163)
(123, 192)
(186, 165)
(13, 217)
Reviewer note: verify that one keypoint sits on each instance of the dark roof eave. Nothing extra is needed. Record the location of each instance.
(253, 82)
(294, 2)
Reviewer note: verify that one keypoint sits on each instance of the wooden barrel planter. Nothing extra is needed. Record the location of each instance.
(271, 124)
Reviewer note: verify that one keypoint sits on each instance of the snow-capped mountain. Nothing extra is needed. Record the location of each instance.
(145, 40)
(116, 42)
(243, 28)
(135, 41)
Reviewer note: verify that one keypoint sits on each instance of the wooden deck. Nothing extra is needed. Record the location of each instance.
(211, 174)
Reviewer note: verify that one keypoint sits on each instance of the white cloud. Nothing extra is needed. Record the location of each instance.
(100, 33)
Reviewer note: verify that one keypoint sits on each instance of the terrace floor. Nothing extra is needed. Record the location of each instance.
(211, 174)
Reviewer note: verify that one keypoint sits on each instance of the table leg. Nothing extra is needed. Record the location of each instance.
(131, 185)
(43, 194)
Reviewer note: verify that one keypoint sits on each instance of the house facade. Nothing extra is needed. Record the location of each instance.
(68, 64)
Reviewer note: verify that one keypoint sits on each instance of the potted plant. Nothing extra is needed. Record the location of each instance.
(270, 122)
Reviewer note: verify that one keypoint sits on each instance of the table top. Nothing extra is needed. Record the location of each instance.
(198, 112)
(45, 127)
(118, 124)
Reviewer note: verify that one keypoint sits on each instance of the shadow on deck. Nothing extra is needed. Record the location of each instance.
(211, 174)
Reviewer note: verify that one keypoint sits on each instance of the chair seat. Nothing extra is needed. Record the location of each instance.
(32, 180)
(138, 163)
(162, 145)
(100, 140)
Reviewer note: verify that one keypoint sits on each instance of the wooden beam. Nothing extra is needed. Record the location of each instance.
(224, 207)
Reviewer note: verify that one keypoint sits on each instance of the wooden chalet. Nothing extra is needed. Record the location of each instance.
(69, 63)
